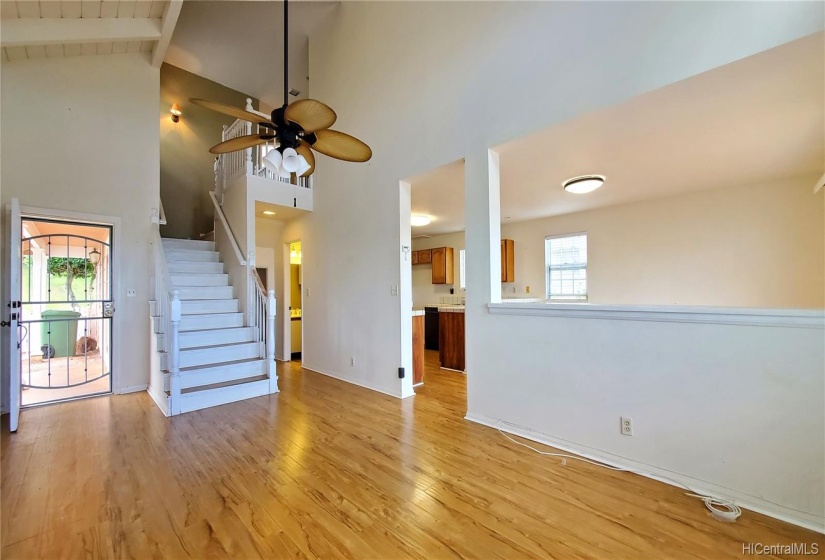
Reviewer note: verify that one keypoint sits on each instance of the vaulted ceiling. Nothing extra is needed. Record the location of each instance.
(240, 44)
(58, 28)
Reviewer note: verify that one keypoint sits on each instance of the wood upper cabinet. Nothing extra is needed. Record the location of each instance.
(415, 257)
(508, 260)
(443, 265)
(425, 256)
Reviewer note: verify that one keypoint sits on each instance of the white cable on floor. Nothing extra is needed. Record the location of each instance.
(729, 514)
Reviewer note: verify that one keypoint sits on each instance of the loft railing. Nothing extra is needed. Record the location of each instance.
(248, 162)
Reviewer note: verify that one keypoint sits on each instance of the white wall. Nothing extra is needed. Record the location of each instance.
(81, 134)
(423, 290)
(269, 239)
(429, 83)
(747, 246)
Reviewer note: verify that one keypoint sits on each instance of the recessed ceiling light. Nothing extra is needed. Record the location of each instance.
(583, 184)
(268, 213)
(419, 220)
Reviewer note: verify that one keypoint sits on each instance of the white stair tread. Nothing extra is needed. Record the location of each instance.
(210, 320)
(222, 365)
(188, 244)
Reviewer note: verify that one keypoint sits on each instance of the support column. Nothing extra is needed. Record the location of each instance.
(482, 242)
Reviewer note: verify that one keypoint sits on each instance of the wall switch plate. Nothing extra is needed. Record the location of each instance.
(394, 290)
(308, 294)
(131, 293)
(627, 426)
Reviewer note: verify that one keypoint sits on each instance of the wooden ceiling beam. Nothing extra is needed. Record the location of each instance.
(53, 31)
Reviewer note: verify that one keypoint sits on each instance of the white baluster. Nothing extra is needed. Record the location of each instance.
(174, 354)
(270, 342)
(249, 166)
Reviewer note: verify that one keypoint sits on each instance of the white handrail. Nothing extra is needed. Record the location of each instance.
(162, 217)
(235, 248)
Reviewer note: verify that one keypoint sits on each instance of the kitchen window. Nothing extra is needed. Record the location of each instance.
(566, 266)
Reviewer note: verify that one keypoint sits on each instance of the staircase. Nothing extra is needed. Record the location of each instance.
(221, 359)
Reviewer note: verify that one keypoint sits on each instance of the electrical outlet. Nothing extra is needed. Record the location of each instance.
(308, 294)
(527, 289)
(394, 290)
(131, 293)
(351, 361)
(627, 426)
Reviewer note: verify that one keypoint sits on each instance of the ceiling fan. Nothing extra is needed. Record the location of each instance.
(297, 129)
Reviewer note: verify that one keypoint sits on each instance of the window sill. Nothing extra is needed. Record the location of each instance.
(794, 318)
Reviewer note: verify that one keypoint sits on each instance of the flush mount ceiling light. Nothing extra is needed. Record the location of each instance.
(420, 221)
(268, 213)
(583, 184)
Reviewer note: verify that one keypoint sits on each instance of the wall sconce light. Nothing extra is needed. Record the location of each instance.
(175, 110)
(94, 257)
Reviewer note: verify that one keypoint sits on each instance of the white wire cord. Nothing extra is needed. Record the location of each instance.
(729, 513)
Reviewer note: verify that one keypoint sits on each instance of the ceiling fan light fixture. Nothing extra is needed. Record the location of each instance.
(303, 167)
(418, 220)
(272, 160)
(290, 162)
(583, 184)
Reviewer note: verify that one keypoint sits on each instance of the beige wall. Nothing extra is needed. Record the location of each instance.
(186, 166)
(424, 291)
(80, 134)
(751, 246)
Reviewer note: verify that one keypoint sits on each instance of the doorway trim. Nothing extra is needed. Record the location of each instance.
(115, 223)
(286, 298)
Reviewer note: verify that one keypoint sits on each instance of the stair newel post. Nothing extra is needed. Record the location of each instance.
(270, 341)
(174, 353)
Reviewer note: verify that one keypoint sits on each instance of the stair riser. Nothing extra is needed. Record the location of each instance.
(217, 355)
(197, 339)
(193, 256)
(187, 245)
(195, 307)
(199, 280)
(213, 321)
(179, 267)
(208, 376)
(209, 292)
(223, 395)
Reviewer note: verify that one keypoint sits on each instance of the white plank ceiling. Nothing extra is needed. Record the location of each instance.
(12, 9)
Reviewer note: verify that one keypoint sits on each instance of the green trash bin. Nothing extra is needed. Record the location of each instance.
(63, 337)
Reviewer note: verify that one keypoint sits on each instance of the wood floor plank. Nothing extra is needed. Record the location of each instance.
(325, 469)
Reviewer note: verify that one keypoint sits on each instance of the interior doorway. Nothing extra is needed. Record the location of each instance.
(66, 308)
(296, 280)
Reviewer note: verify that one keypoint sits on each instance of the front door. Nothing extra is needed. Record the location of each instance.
(66, 308)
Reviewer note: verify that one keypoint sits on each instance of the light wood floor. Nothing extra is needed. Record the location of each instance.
(330, 470)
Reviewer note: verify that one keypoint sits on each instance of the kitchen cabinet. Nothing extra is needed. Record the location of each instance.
(508, 260)
(425, 256)
(451, 339)
(418, 349)
(443, 265)
(415, 257)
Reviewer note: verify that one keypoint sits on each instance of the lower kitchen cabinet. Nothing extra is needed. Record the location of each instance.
(451, 340)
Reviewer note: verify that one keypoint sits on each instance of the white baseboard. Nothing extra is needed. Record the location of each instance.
(160, 399)
(364, 385)
(745, 501)
(132, 389)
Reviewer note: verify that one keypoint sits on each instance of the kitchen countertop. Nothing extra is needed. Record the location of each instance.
(451, 309)
(418, 313)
